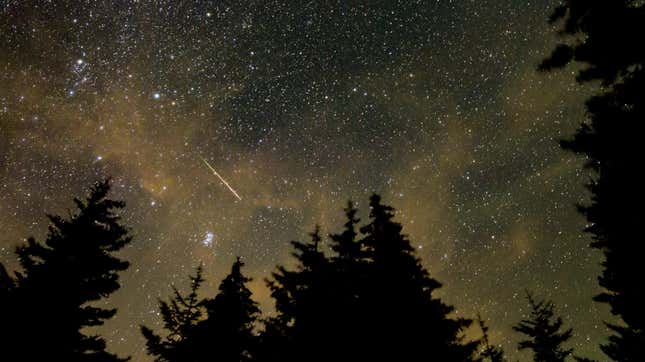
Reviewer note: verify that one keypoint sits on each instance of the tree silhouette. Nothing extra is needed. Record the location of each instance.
(7, 284)
(599, 35)
(199, 330)
(302, 300)
(371, 300)
(583, 359)
(489, 352)
(227, 332)
(408, 321)
(348, 273)
(180, 316)
(543, 333)
(52, 299)
(347, 248)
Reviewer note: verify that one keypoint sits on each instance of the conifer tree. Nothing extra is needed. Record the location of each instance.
(7, 283)
(408, 322)
(50, 301)
(543, 332)
(200, 330)
(590, 31)
(301, 298)
(489, 352)
(345, 244)
(346, 299)
(370, 301)
(319, 313)
(227, 332)
(180, 316)
(599, 35)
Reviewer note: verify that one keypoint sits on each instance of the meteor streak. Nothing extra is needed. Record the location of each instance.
(221, 178)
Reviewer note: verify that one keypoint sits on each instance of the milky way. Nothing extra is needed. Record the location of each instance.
(434, 104)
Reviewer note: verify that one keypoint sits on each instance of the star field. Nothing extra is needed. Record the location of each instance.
(301, 106)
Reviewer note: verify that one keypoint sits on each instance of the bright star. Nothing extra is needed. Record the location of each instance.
(208, 240)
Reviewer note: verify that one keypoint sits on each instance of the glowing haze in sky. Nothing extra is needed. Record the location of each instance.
(299, 107)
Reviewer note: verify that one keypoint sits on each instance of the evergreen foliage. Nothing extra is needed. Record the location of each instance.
(543, 332)
(371, 300)
(489, 352)
(599, 35)
(199, 330)
(49, 302)
(180, 317)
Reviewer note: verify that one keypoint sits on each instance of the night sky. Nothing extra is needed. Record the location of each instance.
(301, 106)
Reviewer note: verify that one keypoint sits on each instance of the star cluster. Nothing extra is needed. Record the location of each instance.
(301, 106)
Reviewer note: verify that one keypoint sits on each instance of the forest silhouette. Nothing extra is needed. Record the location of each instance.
(362, 294)
(598, 36)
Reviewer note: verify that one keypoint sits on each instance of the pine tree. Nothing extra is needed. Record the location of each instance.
(600, 36)
(54, 296)
(227, 332)
(180, 316)
(489, 352)
(347, 273)
(319, 313)
(303, 322)
(200, 330)
(408, 322)
(542, 329)
(7, 284)
(370, 301)
(592, 30)
(345, 244)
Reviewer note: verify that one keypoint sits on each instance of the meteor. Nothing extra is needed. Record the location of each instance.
(221, 178)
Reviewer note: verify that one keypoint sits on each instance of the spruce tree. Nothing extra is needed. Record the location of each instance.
(599, 35)
(346, 300)
(408, 322)
(319, 312)
(53, 298)
(7, 283)
(345, 244)
(543, 332)
(200, 330)
(370, 301)
(302, 297)
(180, 316)
(488, 351)
(227, 332)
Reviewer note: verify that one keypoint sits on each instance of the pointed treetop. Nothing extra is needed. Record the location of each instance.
(542, 329)
(345, 243)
